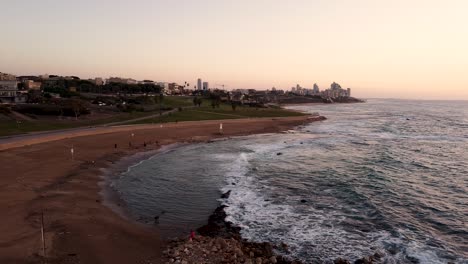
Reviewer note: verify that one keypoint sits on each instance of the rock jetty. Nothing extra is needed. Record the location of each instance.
(220, 241)
(203, 249)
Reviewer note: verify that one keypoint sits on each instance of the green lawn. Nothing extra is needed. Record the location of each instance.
(10, 127)
(223, 112)
(176, 101)
(198, 113)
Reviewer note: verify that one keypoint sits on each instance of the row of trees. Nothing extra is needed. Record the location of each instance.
(59, 107)
(216, 99)
(64, 87)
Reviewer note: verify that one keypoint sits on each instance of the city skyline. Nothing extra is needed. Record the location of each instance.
(379, 49)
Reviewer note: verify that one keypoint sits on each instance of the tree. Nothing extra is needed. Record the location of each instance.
(77, 107)
(161, 98)
(215, 100)
(197, 101)
(234, 106)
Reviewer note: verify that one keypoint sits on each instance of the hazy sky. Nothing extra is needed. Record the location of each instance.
(379, 48)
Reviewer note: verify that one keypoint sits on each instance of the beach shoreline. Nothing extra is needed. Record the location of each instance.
(79, 227)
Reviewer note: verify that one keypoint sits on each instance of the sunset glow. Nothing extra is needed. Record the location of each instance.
(390, 49)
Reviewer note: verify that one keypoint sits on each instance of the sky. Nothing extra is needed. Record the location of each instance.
(413, 49)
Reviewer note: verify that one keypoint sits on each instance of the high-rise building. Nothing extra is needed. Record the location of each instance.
(335, 86)
(206, 86)
(199, 84)
(316, 89)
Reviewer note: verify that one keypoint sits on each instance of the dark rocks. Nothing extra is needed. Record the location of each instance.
(303, 201)
(341, 261)
(226, 195)
(378, 255)
(218, 227)
(279, 154)
(215, 250)
(219, 241)
(365, 260)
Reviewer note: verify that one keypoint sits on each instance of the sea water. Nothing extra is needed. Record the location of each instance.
(385, 176)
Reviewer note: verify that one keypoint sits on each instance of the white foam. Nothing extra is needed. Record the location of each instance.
(317, 234)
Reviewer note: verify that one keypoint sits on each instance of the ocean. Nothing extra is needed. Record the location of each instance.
(386, 176)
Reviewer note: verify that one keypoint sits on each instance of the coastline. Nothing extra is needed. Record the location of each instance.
(79, 227)
(110, 197)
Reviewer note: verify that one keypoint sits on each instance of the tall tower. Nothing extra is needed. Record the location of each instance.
(206, 86)
(199, 84)
(316, 89)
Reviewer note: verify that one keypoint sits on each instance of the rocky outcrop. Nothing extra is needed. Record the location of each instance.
(203, 249)
(220, 241)
(218, 227)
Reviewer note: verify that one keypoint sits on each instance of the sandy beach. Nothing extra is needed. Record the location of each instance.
(38, 175)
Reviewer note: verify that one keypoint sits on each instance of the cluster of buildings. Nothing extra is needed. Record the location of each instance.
(13, 89)
(202, 86)
(275, 95)
(335, 91)
(169, 88)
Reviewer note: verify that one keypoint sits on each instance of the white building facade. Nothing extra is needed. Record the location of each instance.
(206, 86)
(199, 84)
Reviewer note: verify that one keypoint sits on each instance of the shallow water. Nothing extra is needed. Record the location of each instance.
(386, 176)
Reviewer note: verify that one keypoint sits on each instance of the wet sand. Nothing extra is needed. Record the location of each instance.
(39, 175)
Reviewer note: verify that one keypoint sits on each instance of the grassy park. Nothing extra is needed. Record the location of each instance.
(224, 111)
(182, 108)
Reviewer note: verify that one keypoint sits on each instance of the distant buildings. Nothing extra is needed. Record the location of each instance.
(206, 86)
(8, 88)
(199, 84)
(97, 81)
(26, 83)
(121, 80)
(298, 90)
(241, 91)
(165, 87)
(175, 89)
(316, 89)
(202, 86)
(32, 85)
(335, 91)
